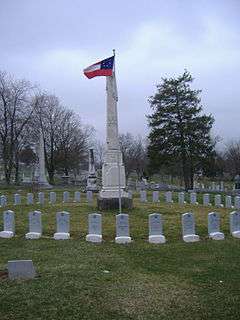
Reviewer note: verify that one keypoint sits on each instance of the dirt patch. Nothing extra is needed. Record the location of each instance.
(3, 275)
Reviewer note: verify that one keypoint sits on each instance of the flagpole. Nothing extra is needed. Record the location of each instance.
(118, 159)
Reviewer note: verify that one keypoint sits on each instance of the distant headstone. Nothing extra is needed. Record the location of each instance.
(30, 198)
(17, 199)
(3, 201)
(94, 227)
(35, 225)
(188, 228)
(168, 197)
(143, 195)
(222, 186)
(77, 196)
(181, 198)
(52, 197)
(214, 226)
(63, 226)
(235, 224)
(228, 202)
(193, 198)
(156, 228)
(237, 182)
(41, 198)
(206, 199)
(122, 228)
(66, 196)
(89, 196)
(218, 201)
(155, 196)
(237, 202)
(8, 225)
(21, 269)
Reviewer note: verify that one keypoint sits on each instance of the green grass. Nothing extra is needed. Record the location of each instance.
(145, 281)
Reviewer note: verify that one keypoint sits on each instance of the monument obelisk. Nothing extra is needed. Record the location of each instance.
(92, 178)
(113, 194)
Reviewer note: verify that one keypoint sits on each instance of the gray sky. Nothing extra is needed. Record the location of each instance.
(50, 41)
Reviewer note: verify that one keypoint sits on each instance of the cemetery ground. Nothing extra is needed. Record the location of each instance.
(81, 280)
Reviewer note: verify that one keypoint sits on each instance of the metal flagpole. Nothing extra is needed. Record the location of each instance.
(118, 158)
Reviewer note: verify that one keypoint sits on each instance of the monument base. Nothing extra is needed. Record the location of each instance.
(113, 203)
(61, 236)
(191, 238)
(6, 234)
(216, 236)
(94, 238)
(123, 240)
(33, 235)
(157, 239)
(42, 185)
(236, 234)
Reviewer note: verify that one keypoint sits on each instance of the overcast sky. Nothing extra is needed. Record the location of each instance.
(50, 41)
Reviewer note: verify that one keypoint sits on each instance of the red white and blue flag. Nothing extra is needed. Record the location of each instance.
(101, 68)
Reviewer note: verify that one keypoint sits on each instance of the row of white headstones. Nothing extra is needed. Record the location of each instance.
(122, 227)
(143, 198)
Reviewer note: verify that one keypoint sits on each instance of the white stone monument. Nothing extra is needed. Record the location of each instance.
(193, 198)
(218, 201)
(181, 198)
(21, 270)
(52, 197)
(77, 196)
(41, 198)
(228, 202)
(113, 170)
(155, 196)
(8, 225)
(122, 229)
(35, 225)
(188, 228)
(156, 228)
(94, 228)
(17, 199)
(63, 226)
(3, 201)
(206, 199)
(214, 226)
(89, 196)
(30, 198)
(168, 197)
(235, 224)
(92, 178)
(237, 202)
(143, 195)
(66, 196)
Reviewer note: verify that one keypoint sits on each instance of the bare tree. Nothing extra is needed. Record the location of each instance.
(232, 158)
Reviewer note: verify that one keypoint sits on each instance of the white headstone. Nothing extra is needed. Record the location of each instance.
(122, 229)
(66, 196)
(206, 199)
(181, 198)
(168, 197)
(30, 198)
(237, 202)
(193, 198)
(3, 200)
(8, 225)
(188, 228)
(41, 198)
(218, 201)
(155, 196)
(89, 196)
(143, 195)
(77, 196)
(17, 199)
(214, 226)
(35, 225)
(52, 197)
(21, 269)
(63, 226)
(235, 224)
(228, 202)
(222, 186)
(94, 227)
(156, 228)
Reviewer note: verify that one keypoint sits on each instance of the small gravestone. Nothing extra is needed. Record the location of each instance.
(193, 198)
(35, 225)
(52, 197)
(156, 228)
(181, 198)
(77, 196)
(94, 227)
(235, 224)
(143, 195)
(21, 270)
(41, 198)
(89, 196)
(63, 226)
(8, 225)
(66, 196)
(214, 226)
(17, 199)
(155, 196)
(168, 197)
(130, 194)
(3, 201)
(237, 202)
(206, 199)
(222, 186)
(228, 202)
(29, 198)
(218, 201)
(188, 228)
(122, 228)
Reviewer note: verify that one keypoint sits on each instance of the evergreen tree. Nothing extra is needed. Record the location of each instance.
(180, 132)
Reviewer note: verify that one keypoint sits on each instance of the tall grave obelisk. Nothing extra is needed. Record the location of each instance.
(113, 170)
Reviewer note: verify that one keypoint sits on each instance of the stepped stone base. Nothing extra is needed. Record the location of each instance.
(113, 203)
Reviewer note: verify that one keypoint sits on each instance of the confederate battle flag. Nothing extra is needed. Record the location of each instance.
(101, 68)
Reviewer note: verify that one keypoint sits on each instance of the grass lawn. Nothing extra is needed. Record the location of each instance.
(80, 280)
